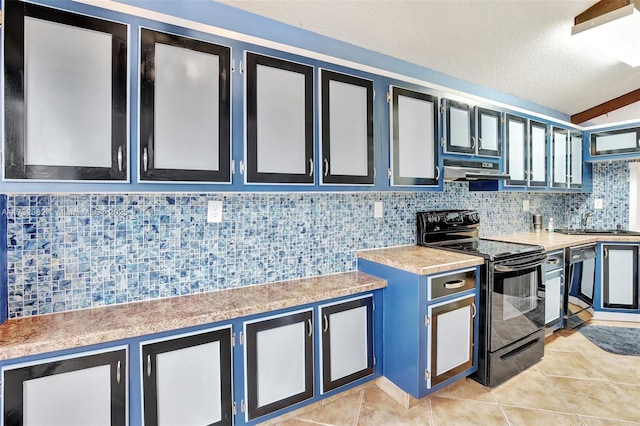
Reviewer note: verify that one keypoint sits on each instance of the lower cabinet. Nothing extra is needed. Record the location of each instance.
(279, 362)
(430, 327)
(346, 342)
(620, 276)
(186, 380)
(450, 342)
(210, 374)
(553, 291)
(88, 388)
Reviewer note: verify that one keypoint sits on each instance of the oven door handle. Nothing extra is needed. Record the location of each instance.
(521, 266)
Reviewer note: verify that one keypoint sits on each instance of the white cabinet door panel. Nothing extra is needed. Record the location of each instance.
(67, 96)
(621, 277)
(77, 398)
(189, 390)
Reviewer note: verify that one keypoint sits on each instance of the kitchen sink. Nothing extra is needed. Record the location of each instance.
(591, 231)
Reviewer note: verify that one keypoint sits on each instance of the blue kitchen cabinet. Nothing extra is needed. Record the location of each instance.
(413, 120)
(611, 143)
(279, 362)
(279, 120)
(459, 124)
(299, 356)
(618, 275)
(346, 122)
(80, 387)
(488, 132)
(566, 158)
(346, 342)
(66, 88)
(187, 378)
(185, 109)
(430, 326)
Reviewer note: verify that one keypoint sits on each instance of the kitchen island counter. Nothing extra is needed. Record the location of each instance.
(420, 260)
(46, 333)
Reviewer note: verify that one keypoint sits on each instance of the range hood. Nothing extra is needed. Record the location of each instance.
(466, 170)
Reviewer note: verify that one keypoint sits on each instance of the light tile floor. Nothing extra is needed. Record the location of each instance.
(576, 383)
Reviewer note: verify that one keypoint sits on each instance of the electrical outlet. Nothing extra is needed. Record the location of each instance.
(378, 209)
(214, 212)
(525, 205)
(597, 203)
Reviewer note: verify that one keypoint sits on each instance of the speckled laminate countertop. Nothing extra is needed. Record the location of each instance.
(46, 333)
(554, 241)
(420, 260)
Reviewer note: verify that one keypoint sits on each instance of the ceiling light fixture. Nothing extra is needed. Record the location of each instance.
(612, 27)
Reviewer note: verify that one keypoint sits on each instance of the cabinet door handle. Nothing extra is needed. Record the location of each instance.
(606, 252)
(118, 373)
(562, 279)
(310, 332)
(325, 323)
(120, 159)
(148, 365)
(241, 167)
(437, 173)
(145, 159)
(326, 167)
(473, 142)
(475, 310)
(310, 166)
(450, 285)
(479, 143)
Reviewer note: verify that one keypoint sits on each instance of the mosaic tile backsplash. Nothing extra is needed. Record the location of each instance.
(68, 252)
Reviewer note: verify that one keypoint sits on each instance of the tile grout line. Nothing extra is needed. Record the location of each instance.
(360, 401)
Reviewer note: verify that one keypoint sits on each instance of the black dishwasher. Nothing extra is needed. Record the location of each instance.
(581, 274)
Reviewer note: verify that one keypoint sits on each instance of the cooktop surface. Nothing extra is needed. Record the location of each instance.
(490, 249)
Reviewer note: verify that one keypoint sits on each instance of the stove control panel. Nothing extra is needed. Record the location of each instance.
(441, 220)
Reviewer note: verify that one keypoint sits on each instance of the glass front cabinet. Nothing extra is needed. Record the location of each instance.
(620, 277)
(65, 97)
(566, 158)
(414, 137)
(525, 152)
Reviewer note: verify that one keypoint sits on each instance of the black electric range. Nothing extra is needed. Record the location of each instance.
(511, 309)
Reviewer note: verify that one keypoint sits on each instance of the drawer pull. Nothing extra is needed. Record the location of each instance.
(450, 285)
(553, 261)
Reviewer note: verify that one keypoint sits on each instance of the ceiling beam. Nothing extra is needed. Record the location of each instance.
(607, 107)
(602, 7)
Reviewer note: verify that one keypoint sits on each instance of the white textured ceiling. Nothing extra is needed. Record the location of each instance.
(520, 47)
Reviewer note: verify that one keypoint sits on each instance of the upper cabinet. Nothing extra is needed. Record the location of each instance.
(346, 111)
(279, 121)
(623, 141)
(566, 158)
(458, 119)
(185, 101)
(65, 94)
(488, 134)
(414, 137)
(471, 130)
(526, 152)
(538, 148)
(517, 152)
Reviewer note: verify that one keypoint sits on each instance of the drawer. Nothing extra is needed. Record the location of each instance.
(448, 284)
(555, 260)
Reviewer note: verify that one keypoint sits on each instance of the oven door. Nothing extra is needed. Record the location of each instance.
(516, 310)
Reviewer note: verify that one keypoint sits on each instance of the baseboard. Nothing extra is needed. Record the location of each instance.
(616, 316)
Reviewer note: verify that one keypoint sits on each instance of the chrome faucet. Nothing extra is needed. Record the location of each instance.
(583, 219)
